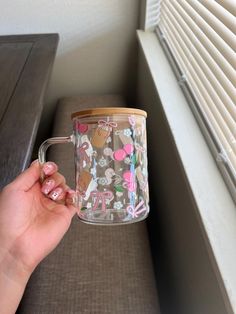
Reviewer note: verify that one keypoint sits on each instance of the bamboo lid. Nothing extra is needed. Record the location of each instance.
(108, 111)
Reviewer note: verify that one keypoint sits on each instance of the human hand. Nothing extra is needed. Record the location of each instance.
(31, 222)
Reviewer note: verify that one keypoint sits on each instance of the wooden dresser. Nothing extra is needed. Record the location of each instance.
(25, 66)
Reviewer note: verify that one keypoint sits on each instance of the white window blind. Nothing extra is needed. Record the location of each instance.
(152, 14)
(199, 37)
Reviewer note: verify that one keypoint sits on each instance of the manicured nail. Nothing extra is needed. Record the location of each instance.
(71, 197)
(34, 162)
(54, 195)
(47, 186)
(48, 168)
(70, 191)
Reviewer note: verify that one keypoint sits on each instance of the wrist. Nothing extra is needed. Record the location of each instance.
(13, 270)
(13, 280)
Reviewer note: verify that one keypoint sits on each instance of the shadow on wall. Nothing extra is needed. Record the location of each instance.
(103, 65)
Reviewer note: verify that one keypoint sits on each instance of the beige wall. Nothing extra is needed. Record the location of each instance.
(187, 283)
(97, 49)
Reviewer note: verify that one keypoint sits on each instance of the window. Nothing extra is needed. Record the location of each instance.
(199, 39)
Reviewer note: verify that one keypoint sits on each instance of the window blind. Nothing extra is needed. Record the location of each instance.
(152, 14)
(199, 37)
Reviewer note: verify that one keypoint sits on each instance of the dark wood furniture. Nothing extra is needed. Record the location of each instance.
(25, 66)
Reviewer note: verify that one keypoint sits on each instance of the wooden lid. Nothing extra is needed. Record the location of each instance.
(108, 111)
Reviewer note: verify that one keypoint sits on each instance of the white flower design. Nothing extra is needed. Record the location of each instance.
(127, 132)
(102, 162)
(127, 160)
(108, 139)
(102, 181)
(118, 205)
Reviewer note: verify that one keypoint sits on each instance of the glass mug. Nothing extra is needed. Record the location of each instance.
(111, 164)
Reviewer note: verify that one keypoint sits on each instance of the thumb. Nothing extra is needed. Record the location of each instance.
(28, 178)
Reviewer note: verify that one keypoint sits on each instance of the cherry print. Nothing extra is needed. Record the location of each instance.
(119, 154)
(129, 148)
(82, 128)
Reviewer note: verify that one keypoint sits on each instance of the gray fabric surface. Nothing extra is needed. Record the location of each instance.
(95, 269)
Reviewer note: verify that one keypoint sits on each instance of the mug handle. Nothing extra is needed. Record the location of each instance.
(46, 144)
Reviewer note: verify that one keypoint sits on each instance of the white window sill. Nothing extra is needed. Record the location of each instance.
(216, 209)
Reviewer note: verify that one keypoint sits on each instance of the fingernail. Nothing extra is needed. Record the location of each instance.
(47, 186)
(71, 197)
(48, 168)
(33, 162)
(56, 193)
(70, 191)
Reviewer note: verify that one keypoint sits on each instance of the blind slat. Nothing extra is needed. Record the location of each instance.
(223, 86)
(152, 11)
(201, 38)
(226, 121)
(216, 25)
(197, 80)
(229, 5)
(225, 66)
(214, 37)
(222, 14)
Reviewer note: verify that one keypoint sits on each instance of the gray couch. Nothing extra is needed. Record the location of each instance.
(95, 269)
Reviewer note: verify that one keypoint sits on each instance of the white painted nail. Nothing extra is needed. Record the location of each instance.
(55, 194)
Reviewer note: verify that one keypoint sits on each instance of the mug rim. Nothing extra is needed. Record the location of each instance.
(108, 111)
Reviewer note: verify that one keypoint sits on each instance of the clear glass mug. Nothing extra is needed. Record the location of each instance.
(111, 164)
